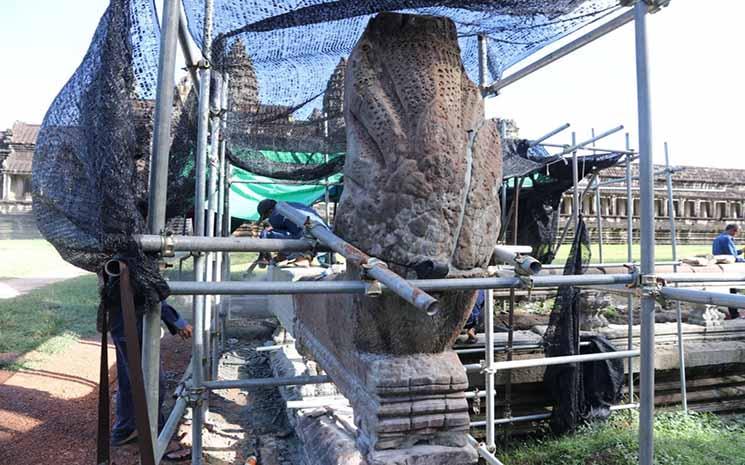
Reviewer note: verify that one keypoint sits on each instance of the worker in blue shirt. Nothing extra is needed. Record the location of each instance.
(282, 228)
(279, 226)
(474, 319)
(124, 430)
(724, 244)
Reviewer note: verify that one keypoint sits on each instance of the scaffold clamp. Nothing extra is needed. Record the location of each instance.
(167, 244)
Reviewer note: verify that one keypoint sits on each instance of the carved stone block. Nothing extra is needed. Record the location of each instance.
(422, 175)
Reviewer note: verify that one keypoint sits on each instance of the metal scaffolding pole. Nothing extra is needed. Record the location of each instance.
(191, 56)
(542, 416)
(575, 146)
(678, 313)
(483, 451)
(565, 50)
(549, 135)
(158, 188)
(374, 268)
(198, 343)
(720, 299)
(220, 229)
(362, 287)
(701, 277)
(550, 361)
(630, 258)
(598, 213)
(575, 184)
(170, 244)
(257, 383)
(489, 298)
(210, 314)
(646, 202)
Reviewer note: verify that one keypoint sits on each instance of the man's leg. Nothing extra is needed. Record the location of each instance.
(733, 313)
(161, 398)
(124, 419)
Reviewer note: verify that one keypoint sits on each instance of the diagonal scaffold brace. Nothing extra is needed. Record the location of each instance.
(373, 268)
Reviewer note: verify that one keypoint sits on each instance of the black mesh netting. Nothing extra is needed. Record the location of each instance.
(579, 392)
(297, 45)
(540, 196)
(286, 61)
(90, 167)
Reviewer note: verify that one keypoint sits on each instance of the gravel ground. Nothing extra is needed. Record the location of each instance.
(48, 412)
(242, 423)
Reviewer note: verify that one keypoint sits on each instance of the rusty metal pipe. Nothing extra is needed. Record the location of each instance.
(373, 267)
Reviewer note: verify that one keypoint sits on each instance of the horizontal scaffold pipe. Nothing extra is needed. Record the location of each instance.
(610, 265)
(257, 383)
(701, 277)
(156, 243)
(523, 264)
(704, 297)
(547, 361)
(360, 287)
(541, 416)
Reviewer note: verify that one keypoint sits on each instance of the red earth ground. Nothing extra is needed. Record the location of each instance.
(48, 412)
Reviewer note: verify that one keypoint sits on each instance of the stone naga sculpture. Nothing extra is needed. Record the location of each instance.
(422, 175)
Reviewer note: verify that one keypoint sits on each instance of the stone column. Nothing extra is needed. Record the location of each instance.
(697, 208)
(4, 195)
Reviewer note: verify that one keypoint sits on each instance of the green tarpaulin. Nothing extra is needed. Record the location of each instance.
(252, 189)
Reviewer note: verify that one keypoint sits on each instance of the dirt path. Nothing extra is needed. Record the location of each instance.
(48, 412)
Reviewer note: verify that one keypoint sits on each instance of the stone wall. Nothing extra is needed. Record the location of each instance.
(705, 200)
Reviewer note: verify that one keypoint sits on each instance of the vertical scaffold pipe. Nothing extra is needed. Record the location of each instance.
(678, 312)
(575, 183)
(210, 314)
(630, 259)
(158, 187)
(646, 202)
(198, 354)
(489, 301)
(598, 212)
(220, 228)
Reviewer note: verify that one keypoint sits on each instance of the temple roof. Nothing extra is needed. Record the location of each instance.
(686, 174)
(24, 133)
(19, 162)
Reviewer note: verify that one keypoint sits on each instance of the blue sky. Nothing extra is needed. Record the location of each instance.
(697, 70)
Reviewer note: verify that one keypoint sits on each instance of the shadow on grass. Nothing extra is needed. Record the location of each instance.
(47, 319)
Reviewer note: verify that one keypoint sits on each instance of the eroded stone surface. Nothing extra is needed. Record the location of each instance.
(421, 193)
(423, 166)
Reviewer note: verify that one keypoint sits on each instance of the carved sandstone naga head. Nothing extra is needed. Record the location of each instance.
(423, 166)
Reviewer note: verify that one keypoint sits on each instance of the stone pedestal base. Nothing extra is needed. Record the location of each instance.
(409, 409)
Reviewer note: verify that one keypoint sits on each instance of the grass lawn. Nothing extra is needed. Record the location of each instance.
(680, 439)
(48, 318)
(33, 258)
(616, 253)
(239, 263)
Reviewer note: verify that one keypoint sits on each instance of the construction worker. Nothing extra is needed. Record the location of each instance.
(282, 228)
(724, 244)
(474, 319)
(124, 430)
